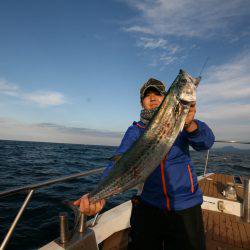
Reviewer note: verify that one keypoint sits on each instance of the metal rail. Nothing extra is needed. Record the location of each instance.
(237, 142)
(18, 216)
(31, 189)
(206, 164)
(221, 141)
(49, 182)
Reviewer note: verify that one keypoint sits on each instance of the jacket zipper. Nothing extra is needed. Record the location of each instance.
(191, 179)
(140, 126)
(164, 183)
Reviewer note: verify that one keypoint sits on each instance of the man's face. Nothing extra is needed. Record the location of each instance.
(152, 99)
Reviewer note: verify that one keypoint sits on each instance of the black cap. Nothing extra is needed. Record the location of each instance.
(154, 84)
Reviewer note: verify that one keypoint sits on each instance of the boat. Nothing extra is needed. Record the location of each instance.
(225, 208)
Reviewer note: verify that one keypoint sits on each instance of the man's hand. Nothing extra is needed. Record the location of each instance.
(89, 208)
(190, 124)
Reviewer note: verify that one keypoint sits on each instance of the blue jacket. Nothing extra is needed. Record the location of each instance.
(173, 185)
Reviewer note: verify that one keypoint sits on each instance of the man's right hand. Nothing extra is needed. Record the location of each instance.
(89, 208)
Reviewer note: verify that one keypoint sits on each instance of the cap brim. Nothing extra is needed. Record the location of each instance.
(152, 87)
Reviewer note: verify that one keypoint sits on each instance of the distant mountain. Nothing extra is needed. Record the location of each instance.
(228, 149)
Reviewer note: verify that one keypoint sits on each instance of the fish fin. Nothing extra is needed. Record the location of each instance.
(139, 188)
(197, 81)
(115, 158)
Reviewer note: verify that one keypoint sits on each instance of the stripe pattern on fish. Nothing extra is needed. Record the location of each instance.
(146, 153)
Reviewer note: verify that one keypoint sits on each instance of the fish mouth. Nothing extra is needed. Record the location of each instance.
(187, 97)
(187, 102)
(184, 102)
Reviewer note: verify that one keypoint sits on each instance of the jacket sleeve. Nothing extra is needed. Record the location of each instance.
(202, 138)
(128, 140)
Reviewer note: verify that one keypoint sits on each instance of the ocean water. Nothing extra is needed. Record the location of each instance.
(24, 163)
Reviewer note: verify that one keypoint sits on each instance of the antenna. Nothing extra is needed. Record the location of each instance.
(203, 67)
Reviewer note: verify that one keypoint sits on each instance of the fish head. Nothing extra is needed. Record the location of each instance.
(186, 86)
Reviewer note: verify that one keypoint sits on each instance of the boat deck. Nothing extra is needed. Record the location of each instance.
(214, 184)
(223, 231)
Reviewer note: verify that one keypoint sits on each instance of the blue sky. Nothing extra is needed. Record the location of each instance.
(70, 71)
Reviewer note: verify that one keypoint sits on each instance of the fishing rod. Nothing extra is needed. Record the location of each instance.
(204, 65)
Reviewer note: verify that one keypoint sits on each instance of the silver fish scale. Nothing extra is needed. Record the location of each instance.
(147, 152)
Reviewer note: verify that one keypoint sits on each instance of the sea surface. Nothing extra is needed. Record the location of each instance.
(24, 163)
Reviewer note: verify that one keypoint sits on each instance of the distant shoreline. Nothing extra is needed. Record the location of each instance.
(68, 143)
(215, 148)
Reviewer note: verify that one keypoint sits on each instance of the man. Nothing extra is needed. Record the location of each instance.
(167, 214)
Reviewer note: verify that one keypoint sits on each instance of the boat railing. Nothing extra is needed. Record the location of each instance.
(221, 141)
(32, 188)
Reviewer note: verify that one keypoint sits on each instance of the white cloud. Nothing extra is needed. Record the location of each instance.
(43, 98)
(46, 98)
(233, 113)
(229, 82)
(165, 49)
(8, 88)
(150, 43)
(188, 17)
(224, 98)
(182, 20)
(157, 43)
(11, 129)
(139, 29)
(232, 132)
(167, 59)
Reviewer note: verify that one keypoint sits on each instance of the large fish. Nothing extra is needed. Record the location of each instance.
(145, 155)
